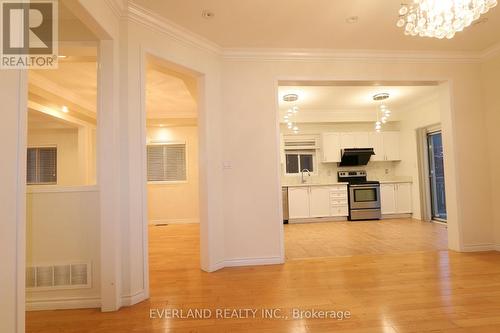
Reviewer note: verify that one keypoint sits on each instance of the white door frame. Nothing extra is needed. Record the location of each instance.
(203, 173)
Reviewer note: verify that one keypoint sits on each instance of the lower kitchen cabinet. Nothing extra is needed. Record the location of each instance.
(317, 201)
(396, 198)
(298, 202)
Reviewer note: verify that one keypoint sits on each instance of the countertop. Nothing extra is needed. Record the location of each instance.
(314, 184)
(393, 181)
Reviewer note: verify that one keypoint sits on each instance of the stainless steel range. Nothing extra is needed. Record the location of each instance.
(364, 196)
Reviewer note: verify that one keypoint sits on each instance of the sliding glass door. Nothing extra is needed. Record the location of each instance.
(436, 176)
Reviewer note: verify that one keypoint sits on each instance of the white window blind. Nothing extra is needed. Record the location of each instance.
(166, 162)
(41, 166)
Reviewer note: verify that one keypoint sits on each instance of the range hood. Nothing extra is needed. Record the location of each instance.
(356, 156)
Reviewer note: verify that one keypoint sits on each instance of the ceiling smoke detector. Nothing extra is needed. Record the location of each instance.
(352, 19)
(207, 14)
(381, 97)
(290, 97)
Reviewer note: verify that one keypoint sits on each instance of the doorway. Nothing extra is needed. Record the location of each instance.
(436, 176)
(172, 177)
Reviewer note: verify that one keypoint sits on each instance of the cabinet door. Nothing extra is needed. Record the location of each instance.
(377, 143)
(391, 146)
(298, 202)
(347, 140)
(330, 147)
(319, 201)
(403, 198)
(388, 198)
(361, 140)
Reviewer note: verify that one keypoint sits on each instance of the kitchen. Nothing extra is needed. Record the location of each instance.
(350, 154)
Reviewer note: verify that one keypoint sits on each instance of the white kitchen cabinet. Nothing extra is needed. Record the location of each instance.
(396, 198)
(385, 145)
(319, 201)
(403, 198)
(347, 140)
(388, 198)
(377, 143)
(298, 202)
(330, 147)
(391, 146)
(362, 140)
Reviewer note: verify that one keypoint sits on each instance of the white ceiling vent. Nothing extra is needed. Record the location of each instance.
(58, 276)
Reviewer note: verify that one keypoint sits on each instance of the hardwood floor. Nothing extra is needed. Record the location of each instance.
(419, 290)
(333, 239)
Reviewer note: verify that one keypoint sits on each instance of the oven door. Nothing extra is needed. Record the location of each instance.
(364, 196)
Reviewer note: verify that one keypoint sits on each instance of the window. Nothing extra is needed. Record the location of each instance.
(166, 162)
(298, 161)
(41, 166)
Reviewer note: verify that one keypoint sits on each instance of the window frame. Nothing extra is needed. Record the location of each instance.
(299, 152)
(186, 159)
(57, 164)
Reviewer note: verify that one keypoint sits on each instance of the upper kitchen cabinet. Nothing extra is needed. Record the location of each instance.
(330, 147)
(385, 145)
(391, 146)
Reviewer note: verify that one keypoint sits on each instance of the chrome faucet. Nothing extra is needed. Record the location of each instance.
(302, 176)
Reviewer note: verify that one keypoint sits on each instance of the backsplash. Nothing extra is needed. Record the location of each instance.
(327, 173)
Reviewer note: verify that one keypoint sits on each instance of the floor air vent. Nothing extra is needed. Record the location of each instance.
(60, 276)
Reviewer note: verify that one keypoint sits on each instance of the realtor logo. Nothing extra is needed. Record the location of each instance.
(29, 34)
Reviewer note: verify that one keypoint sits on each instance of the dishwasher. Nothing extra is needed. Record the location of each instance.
(284, 191)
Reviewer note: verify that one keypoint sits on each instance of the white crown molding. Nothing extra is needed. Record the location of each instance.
(160, 24)
(153, 21)
(491, 52)
(117, 7)
(318, 55)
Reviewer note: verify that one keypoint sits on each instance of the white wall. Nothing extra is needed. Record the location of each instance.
(417, 115)
(62, 228)
(490, 73)
(176, 202)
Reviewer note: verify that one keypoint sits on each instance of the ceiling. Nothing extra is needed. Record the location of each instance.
(170, 95)
(71, 28)
(39, 120)
(318, 24)
(355, 98)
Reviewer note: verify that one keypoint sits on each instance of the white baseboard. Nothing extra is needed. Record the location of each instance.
(480, 247)
(63, 303)
(396, 216)
(129, 300)
(174, 221)
(497, 247)
(253, 262)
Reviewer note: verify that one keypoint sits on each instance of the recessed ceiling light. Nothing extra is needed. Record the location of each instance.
(65, 109)
(207, 14)
(352, 19)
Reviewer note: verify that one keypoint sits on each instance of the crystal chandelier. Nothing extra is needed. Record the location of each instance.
(292, 111)
(383, 112)
(441, 18)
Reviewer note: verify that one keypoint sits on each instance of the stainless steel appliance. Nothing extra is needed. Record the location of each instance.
(364, 196)
(284, 192)
(356, 156)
